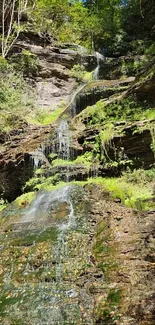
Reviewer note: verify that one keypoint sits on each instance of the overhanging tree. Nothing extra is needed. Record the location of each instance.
(11, 14)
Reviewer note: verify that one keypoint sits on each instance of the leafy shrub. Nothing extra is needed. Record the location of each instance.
(78, 72)
(150, 50)
(3, 65)
(134, 189)
(16, 97)
(26, 63)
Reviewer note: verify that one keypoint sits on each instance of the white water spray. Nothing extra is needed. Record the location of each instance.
(99, 58)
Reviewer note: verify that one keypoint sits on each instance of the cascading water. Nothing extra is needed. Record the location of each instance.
(64, 136)
(61, 250)
(55, 239)
(63, 132)
(41, 207)
(100, 58)
(57, 301)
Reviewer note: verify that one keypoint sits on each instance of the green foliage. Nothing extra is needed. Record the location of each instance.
(16, 97)
(42, 117)
(137, 19)
(134, 189)
(126, 109)
(86, 159)
(76, 22)
(94, 24)
(3, 65)
(43, 183)
(150, 50)
(26, 63)
(25, 199)
(79, 72)
(3, 204)
(48, 15)
(94, 114)
(106, 135)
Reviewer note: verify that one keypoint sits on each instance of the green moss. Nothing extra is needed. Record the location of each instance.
(133, 188)
(135, 195)
(45, 118)
(3, 204)
(86, 159)
(49, 186)
(114, 296)
(25, 199)
(34, 183)
(78, 71)
(126, 109)
(62, 162)
(108, 309)
(38, 236)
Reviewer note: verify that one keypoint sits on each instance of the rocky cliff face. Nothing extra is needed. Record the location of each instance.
(16, 163)
(76, 254)
(53, 85)
(52, 77)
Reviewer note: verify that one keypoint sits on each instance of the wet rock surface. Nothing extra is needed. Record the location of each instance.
(99, 90)
(143, 88)
(16, 163)
(131, 141)
(74, 255)
(129, 65)
(52, 78)
(97, 270)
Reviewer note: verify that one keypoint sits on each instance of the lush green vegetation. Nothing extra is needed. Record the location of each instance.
(97, 23)
(125, 109)
(81, 75)
(134, 188)
(104, 24)
(42, 117)
(16, 96)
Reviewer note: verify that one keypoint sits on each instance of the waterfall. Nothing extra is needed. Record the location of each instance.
(53, 237)
(73, 104)
(54, 304)
(64, 137)
(41, 207)
(38, 157)
(61, 250)
(99, 58)
(64, 140)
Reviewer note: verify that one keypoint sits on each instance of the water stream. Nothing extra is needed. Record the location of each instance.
(51, 239)
(100, 58)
